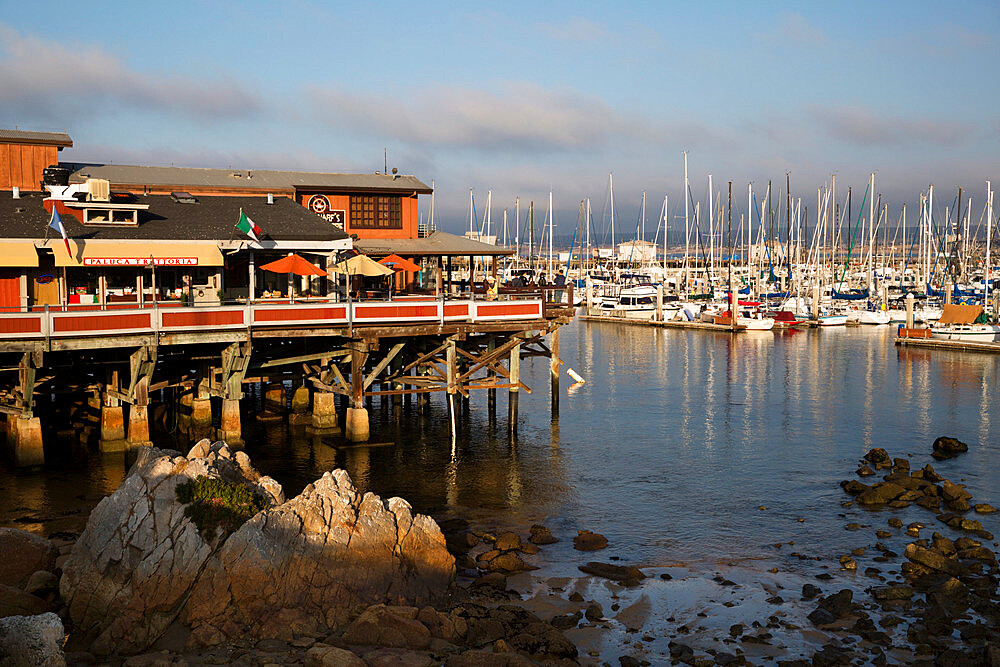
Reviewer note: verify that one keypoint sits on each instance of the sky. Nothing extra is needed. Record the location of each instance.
(523, 97)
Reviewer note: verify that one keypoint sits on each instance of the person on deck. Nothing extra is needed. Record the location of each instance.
(492, 288)
(560, 282)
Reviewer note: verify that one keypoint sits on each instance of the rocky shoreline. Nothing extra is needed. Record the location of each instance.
(464, 594)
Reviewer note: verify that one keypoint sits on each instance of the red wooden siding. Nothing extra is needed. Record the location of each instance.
(201, 319)
(101, 322)
(21, 325)
(286, 314)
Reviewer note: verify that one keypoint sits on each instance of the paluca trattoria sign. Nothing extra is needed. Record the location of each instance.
(140, 261)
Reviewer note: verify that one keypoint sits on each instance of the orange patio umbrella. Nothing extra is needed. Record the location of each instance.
(294, 264)
(398, 263)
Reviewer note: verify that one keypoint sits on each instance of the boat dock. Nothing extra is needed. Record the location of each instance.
(957, 345)
(667, 324)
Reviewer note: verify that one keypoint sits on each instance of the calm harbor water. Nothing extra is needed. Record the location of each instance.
(671, 448)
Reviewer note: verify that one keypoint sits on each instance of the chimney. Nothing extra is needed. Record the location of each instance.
(270, 198)
(16, 191)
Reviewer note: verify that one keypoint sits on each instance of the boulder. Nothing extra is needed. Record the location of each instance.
(932, 560)
(22, 554)
(32, 640)
(324, 655)
(585, 540)
(15, 602)
(380, 626)
(541, 535)
(42, 582)
(878, 457)
(624, 574)
(946, 448)
(507, 541)
(301, 567)
(837, 605)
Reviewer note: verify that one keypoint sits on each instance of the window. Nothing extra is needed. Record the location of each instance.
(379, 212)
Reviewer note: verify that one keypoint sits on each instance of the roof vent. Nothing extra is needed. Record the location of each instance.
(270, 198)
(183, 198)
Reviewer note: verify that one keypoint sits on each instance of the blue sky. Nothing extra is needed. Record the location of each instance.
(523, 97)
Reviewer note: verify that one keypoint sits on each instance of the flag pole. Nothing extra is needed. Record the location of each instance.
(232, 232)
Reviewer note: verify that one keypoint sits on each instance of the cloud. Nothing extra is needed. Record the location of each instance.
(517, 118)
(48, 81)
(795, 29)
(861, 126)
(576, 29)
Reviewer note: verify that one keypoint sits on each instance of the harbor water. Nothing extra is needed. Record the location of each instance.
(681, 447)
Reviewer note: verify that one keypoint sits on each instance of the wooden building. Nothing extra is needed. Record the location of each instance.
(25, 155)
(362, 205)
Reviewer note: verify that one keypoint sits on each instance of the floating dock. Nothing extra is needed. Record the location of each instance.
(667, 324)
(957, 345)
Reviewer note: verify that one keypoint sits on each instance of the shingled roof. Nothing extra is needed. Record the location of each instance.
(211, 219)
(60, 139)
(181, 178)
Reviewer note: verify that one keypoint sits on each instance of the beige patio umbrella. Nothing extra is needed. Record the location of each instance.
(361, 265)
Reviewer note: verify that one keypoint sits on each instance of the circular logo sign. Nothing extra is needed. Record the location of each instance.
(319, 204)
(45, 279)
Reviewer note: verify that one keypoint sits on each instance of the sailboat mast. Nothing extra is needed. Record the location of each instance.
(711, 230)
(611, 186)
(687, 226)
(551, 228)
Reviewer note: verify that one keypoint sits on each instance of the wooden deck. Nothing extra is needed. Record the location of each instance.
(89, 329)
(668, 324)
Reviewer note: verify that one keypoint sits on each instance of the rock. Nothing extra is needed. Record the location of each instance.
(566, 621)
(474, 658)
(462, 541)
(443, 626)
(507, 542)
(588, 541)
(854, 487)
(946, 448)
(984, 508)
(838, 604)
(15, 602)
(735, 630)
(881, 493)
(395, 657)
(810, 591)
(508, 562)
(594, 612)
(952, 492)
(42, 582)
(895, 522)
(301, 567)
(893, 592)
(623, 574)
(22, 554)
(32, 640)
(821, 617)
(378, 626)
(541, 535)
(878, 457)
(899, 463)
(865, 471)
(495, 580)
(932, 560)
(324, 655)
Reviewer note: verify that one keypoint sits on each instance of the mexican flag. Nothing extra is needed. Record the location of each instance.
(248, 226)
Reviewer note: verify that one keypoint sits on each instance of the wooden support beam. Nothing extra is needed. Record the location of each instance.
(382, 364)
(340, 352)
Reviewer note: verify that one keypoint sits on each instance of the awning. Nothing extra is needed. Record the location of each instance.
(955, 313)
(18, 253)
(120, 254)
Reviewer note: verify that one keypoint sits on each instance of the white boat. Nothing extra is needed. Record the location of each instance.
(833, 320)
(632, 303)
(962, 322)
(974, 333)
(873, 317)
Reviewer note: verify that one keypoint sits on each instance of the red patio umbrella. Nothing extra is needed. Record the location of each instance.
(294, 264)
(397, 263)
(290, 264)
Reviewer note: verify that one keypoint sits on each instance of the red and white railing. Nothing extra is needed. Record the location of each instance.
(70, 323)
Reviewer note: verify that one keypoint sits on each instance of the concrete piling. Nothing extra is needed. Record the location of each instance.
(324, 412)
